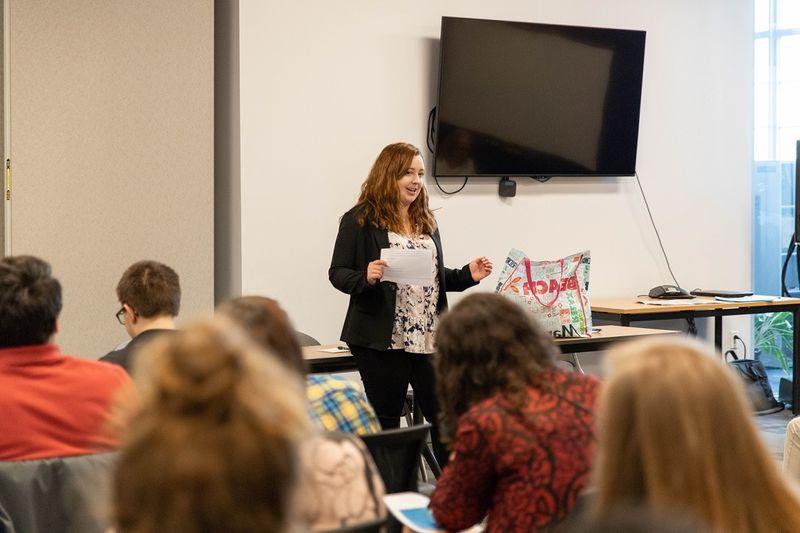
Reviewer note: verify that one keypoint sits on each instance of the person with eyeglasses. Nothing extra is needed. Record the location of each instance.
(149, 293)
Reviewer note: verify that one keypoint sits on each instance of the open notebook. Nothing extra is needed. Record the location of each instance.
(411, 510)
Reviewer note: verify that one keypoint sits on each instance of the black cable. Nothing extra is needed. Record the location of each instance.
(738, 338)
(431, 137)
(656, 229)
(789, 252)
(797, 260)
(431, 142)
(541, 179)
(690, 321)
(466, 179)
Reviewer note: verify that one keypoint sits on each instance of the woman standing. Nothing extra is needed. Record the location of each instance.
(389, 327)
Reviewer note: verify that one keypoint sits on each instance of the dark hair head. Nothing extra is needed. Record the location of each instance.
(213, 444)
(268, 325)
(379, 202)
(487, 345)
(151, 289)
(30, 301)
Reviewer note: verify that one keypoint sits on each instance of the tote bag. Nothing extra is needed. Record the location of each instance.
(555, 292)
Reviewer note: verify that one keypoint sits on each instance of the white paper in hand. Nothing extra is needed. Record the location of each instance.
(408, 267)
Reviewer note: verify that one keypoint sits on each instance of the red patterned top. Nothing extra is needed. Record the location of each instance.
(524, 469)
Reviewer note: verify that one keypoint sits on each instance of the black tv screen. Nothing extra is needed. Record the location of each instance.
(526, 99)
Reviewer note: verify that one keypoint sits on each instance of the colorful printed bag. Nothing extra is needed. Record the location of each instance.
(556, 292)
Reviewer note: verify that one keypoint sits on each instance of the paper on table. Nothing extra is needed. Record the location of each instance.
(408, 267)
(684, 301)
(337, 349)
(751, 298)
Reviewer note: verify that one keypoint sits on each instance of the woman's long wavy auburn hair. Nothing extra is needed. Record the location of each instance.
(379, 202)
(676, 433)
(487, 345)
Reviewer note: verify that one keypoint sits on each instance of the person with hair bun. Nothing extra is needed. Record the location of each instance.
(676, 434)
(521, 431)
(339, 483)
(390, 327)
(213, 445)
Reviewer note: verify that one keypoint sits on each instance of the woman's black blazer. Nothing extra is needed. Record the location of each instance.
(370, 315)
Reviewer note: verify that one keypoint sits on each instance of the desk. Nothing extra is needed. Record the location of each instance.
(627, 310)
(321, 362)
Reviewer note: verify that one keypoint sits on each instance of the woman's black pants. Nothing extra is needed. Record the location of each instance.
(386, 375)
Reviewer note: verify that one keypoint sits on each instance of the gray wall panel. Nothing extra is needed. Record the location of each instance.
(112, 128)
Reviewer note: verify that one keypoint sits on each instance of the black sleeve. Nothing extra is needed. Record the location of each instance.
(458, 279)
(117, 357)
(344, 273)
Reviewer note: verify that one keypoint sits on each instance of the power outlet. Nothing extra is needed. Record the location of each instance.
(733, 344)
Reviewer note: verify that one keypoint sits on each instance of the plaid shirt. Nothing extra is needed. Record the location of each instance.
(337, 404)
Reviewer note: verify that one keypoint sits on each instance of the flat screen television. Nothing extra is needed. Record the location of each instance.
(528, 99)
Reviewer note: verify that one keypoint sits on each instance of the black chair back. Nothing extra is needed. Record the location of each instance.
(58, 495)
(396, 453)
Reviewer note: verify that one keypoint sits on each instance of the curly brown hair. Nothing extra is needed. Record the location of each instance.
(379, 202)
(487, 345)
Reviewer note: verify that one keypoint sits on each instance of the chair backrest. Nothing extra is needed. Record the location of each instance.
(57, 495)
(305, 340)
(396, 453)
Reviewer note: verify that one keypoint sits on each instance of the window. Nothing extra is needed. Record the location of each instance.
(776, 128)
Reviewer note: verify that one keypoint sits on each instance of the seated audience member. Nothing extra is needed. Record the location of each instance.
(51, 405)
(520, 430)
(791, 450)
(675, 432)
(150, 295)
(340, 485)
(213, 445)
(337, 404)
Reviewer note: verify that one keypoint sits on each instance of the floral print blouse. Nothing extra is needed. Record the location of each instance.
(415, 316)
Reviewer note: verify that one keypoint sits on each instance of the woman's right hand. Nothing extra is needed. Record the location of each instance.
(375, 271)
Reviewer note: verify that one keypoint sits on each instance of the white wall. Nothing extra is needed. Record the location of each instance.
(325, 85)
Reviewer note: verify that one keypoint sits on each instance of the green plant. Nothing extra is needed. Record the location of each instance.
(772, 335)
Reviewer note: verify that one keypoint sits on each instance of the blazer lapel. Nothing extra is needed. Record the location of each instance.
(437, 241)
(381, 237)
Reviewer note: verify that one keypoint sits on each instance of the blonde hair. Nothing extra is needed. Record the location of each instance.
(212, 446)
(675, 432)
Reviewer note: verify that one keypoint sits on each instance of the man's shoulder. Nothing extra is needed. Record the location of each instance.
(327, 384)
(100, 371)
(122, 356)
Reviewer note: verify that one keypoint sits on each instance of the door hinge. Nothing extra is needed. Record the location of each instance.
(8, 179)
